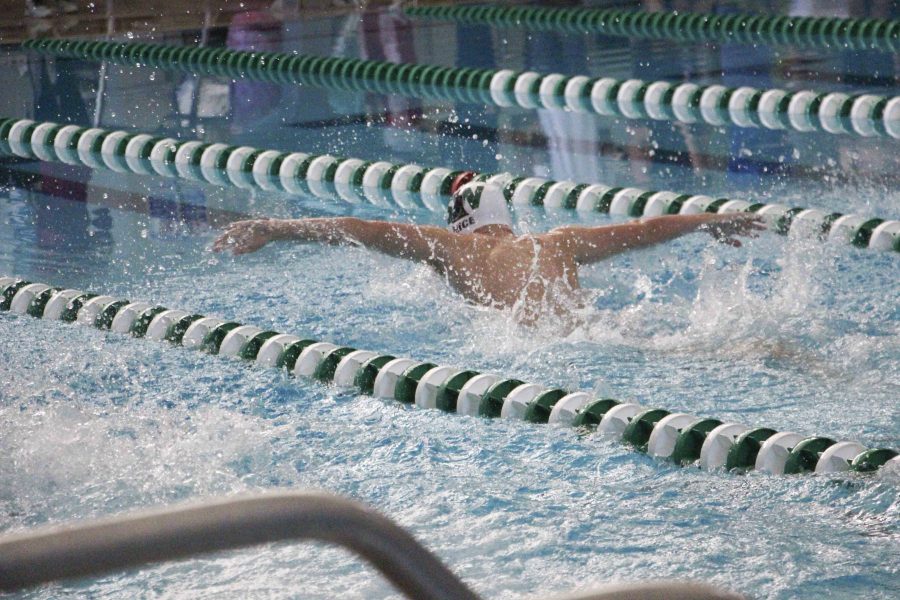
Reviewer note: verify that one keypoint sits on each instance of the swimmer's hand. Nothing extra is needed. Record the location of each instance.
(726, 227)
(243, 237)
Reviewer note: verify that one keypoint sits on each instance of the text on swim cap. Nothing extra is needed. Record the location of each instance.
(463, 224)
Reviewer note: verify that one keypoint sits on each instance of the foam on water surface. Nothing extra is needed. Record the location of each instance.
(99, 423)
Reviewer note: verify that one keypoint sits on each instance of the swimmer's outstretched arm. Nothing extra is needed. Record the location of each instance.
(591, 244)
(402, 240)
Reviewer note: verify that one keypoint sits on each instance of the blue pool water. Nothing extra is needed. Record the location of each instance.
(785, 332)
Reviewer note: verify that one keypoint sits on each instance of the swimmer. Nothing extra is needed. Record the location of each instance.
(480, 256)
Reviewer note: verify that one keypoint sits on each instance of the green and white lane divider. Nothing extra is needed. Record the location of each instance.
(407, 186)
(683, 438)
(802, 110)
(810, 32)
(354, 180)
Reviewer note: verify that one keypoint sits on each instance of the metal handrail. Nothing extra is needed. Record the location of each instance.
(655, 590)
(33, 558)
(51, 553)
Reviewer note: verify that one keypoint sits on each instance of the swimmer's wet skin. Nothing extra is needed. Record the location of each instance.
(481, 257)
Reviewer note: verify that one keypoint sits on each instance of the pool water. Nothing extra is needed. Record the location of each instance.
(785, 332)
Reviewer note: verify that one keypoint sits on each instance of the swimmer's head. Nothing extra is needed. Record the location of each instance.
(475, 205)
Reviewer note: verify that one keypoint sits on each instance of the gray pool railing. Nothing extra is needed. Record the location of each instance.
(682, 438)
(408, 186)
(800, 110)
(31, 558)
(100, 546)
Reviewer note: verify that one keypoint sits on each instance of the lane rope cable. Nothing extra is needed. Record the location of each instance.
(800, 110)
(682, 438)
(778, 30)
(390, 185)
